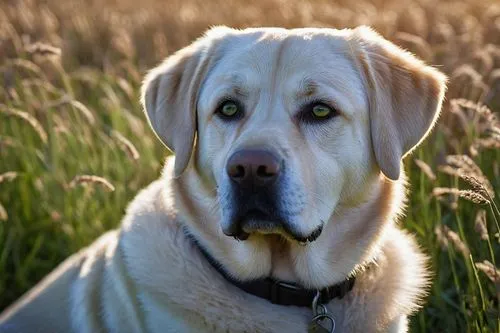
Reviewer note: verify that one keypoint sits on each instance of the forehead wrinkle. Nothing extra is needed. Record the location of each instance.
(233, 84)
(307, 87)
(277, 73)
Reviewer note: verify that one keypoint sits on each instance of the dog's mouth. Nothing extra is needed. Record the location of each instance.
(256, 221)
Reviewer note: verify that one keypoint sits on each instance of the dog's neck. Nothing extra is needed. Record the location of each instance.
(329, 260)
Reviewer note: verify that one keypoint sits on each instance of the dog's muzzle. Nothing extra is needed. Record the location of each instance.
(256, 181)
(253, 175)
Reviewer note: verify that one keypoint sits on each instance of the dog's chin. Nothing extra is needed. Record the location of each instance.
(259, 225)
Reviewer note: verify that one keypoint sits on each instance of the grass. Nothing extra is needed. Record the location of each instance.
(71, 71)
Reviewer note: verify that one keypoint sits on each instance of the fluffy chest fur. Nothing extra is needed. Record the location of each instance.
(180, 292)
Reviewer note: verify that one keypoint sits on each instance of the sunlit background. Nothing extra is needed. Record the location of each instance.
(75, 147)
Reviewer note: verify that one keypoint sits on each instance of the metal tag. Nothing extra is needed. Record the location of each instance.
(316, 327)
(321, 321)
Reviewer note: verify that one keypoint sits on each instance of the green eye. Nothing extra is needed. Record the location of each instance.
(229, 109)
(321, 111)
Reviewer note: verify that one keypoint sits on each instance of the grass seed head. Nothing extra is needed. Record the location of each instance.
(489, 270)
(43, 49)
(127, 146)
(28, 119)
(8, 176)
(3, 213)
(91, 179)
(426, 169)
(474, 197)
(480, 225)
(440, 191)
(441, 238)
(455, 240)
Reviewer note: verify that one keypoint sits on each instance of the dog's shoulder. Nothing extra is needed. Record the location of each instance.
(151, 210)
(394, 285)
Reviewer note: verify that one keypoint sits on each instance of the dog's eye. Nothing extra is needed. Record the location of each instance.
(229, 110)
(317, 111)
(321, 111)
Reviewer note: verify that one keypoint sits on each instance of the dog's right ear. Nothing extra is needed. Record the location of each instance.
(169, 96)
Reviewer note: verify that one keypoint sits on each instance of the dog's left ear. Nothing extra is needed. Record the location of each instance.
(405, 98)
(170, 92)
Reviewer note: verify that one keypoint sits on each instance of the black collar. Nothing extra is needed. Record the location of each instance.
(280, 292)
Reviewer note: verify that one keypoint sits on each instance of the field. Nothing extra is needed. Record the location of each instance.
(70, 73)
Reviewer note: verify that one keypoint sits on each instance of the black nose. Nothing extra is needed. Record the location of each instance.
(253, 167)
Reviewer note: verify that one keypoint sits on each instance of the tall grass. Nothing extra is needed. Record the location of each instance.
(75, 147)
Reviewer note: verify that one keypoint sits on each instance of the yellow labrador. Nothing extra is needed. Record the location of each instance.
(279, 211)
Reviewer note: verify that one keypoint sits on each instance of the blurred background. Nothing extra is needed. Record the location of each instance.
(75, 147)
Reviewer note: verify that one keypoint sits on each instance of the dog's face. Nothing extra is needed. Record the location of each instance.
(291, 125)
(283, 132)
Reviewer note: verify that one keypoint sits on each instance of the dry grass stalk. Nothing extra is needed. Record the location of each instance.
(478, 117)
(489, 143)
(476, 107)
(489, 270)
(474, 149)
(29, 119)
(480, 225)
(8, 176)
(464, 167)
(446, 236)
(466, 81)
(474, 197)
(464, 194)
(43, 49)
(76, 104)
(84, 110)
(55, 216)
(3, 213)
(442, 240)
(67, 229)
(454, 239)
(127, 146)
(426, 169)
(464, 163)
(91, 179)
(494, 132)
(440, 191)
(127, 88)
(478, 186)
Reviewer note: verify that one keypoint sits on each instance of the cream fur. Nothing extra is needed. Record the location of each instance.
(148, 277)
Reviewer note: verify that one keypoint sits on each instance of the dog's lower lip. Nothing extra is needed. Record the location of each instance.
(303, 240)
(237, 234)
(257, 221)
(241, 236)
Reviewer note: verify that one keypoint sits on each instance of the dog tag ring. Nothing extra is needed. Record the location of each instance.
(321, 322)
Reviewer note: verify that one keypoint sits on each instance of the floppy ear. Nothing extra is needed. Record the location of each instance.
(169, 96)
(405, 97)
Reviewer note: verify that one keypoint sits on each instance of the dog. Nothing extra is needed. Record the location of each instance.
(279, 211)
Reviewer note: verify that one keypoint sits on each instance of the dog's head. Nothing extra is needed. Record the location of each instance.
(286, 130)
